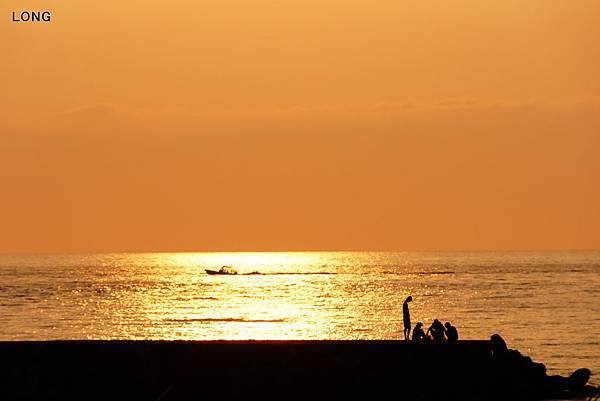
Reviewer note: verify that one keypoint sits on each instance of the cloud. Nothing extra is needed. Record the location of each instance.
(359, 110)
(115, 116)
(100, 109)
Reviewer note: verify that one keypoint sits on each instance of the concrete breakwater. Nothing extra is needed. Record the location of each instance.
(261, 370)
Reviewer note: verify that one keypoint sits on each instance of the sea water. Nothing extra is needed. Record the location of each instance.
(545, 304)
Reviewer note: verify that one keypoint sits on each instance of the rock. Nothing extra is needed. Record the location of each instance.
(578, 379)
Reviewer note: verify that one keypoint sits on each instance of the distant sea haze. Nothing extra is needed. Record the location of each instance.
(546, 304)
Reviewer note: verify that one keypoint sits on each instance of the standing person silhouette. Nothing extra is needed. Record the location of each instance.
(406, 317)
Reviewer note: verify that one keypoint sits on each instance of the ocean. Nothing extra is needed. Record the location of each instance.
(545, 304)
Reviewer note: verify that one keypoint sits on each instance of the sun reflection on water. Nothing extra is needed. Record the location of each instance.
(301, 295)
(277, 304)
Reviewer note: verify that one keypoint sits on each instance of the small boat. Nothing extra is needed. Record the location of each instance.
(225, 270)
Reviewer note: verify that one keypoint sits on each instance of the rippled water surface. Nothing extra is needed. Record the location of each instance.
(545, 304)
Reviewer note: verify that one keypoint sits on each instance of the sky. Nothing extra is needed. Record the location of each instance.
(301, 125)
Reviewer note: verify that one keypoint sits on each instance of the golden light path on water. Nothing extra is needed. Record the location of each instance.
(276, 304)
(537, 301)
(296, 296)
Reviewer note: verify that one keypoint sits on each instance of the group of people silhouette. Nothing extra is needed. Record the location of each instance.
(437, 332)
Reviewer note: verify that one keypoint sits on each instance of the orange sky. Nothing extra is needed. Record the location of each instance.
(300, 125)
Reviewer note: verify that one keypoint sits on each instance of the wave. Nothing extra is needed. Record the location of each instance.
(284, 273)
(196, 299)
(427, 273)
(226, 320)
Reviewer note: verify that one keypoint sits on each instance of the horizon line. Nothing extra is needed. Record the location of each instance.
(554, 250)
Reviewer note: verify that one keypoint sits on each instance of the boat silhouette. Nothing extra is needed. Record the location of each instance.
(225, 270)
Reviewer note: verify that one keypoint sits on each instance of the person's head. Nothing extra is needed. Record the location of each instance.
(419, 325)
(448, 325)
(409, 299)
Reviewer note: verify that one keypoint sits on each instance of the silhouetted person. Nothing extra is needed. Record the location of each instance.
(418, 335)
(406, 317)
(437, 331)
(451, 333)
